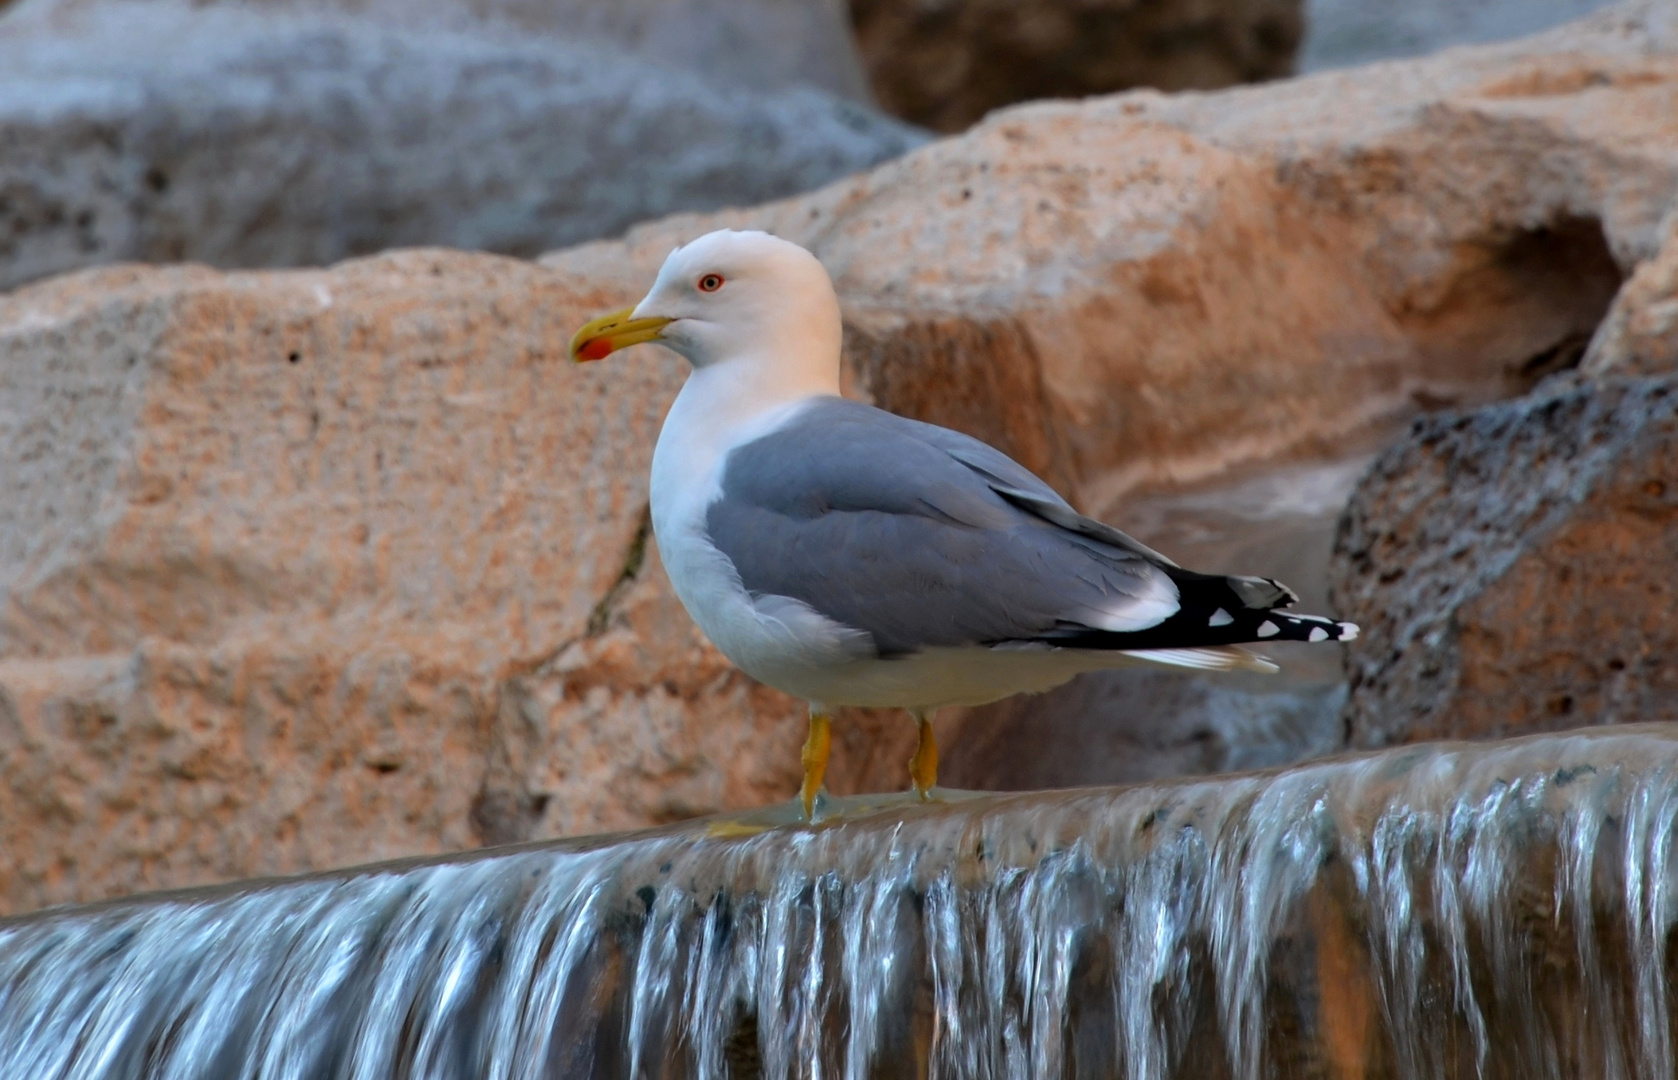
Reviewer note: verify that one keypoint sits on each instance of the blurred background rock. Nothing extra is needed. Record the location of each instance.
(282, 135)
(945, 63)
(1340, 33)
(762, 44)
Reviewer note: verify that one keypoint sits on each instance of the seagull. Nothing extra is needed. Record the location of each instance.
(850, 556)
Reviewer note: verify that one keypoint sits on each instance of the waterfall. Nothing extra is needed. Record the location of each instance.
(1496, 910)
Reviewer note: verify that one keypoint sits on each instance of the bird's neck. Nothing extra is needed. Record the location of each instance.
(721, 406)
(728, 396)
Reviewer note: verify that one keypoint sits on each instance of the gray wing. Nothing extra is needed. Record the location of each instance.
(923, 537)
(1026, 490)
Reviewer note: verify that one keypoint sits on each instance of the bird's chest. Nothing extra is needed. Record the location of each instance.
(687, 477)
(709, 588)
(773, 639)
(705, 581)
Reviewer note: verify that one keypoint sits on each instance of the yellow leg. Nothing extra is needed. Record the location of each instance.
(923, 767)
(816, 748)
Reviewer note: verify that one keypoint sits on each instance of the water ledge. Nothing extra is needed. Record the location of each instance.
(1489, 910)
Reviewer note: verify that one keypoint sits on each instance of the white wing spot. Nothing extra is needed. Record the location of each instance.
(1268, 629)
(1155, 603)
(1319, 634)
(1220, 617)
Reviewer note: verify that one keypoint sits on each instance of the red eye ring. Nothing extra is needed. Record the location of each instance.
(710, 283)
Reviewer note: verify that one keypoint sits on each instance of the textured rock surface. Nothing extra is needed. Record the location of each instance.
(238, 640)
(1512, 565)
(1640, 334)
(764, 44)
(301, 569)
(157, 132)
(1512, 568)
(947, 63)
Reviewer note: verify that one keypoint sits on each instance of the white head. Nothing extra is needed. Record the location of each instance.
(731, 298)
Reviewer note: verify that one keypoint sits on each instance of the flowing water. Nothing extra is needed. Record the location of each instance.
(1491, 911)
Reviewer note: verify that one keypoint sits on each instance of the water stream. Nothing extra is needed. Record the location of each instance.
(1489, 911)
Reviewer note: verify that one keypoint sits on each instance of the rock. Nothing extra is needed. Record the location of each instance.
(762, 44)
(235, 640)
(301, 569)
(1341, 33)
(946, 63)
(1511, 568)
(1511, 565)
(285, 139)
(1640, 333)
(1127, 727)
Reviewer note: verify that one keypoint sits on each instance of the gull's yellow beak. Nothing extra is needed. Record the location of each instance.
(609, 333)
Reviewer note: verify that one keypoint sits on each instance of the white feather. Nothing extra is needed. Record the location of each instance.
(1158, 603)
(1214, 658)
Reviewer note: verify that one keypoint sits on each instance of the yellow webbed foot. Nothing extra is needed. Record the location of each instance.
(923, 767)
(816, 749)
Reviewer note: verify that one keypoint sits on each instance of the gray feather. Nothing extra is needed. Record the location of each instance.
(917, 535)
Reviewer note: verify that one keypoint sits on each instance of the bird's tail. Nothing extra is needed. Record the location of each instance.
(1312, 628)
(1218, 615)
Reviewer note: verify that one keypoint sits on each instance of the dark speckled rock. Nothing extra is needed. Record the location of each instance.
(1512, 567)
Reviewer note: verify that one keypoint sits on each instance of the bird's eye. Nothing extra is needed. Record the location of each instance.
(710, 283)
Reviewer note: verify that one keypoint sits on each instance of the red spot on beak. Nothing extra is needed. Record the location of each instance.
(597, 349)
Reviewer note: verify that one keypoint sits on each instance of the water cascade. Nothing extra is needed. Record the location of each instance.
(1497, 911)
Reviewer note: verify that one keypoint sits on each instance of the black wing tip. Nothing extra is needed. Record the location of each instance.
(1199, 629)
(1277, 626)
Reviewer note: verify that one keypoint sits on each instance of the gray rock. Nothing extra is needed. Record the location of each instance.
(1341, 33)
(1512, 567)
(763, 44)
(236, 138)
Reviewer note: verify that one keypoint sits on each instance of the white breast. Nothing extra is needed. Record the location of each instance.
(776, 640)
